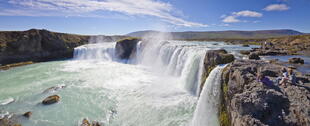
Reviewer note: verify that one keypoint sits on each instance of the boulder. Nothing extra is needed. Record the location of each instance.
(85, 122)
(245, 101)
(54, 88)
(125, 48)
(296, 60)
(27, 114)
(245, 52)
(245, 45)
(254, 56)
(51, 100)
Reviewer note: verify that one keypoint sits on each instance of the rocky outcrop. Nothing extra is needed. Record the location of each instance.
(247, 102)
(254, 56)
(125, 48)
(213, 58)
(37, 45)
(51, 100)
(296, 60)
(9, 120)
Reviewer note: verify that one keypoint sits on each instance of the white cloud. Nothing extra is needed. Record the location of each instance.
(276, 7)
(233, 18)
(247, 13)
(155, 8)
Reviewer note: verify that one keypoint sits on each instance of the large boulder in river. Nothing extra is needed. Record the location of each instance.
(51, 100)
(126, 47)
(247, 102)
(296, 60)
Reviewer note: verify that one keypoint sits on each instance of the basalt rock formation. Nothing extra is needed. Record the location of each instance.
(213, 58)
(37, 45)
(247, 102)
(125, 48)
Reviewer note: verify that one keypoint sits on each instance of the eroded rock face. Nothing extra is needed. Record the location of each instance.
(51, 100)
(296, 60)
(37, 45)
(126, 47)
(213, 58)
(248, 102)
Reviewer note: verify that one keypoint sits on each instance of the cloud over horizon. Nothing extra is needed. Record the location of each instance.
(90, 8)
(276, 7)
(233, 18)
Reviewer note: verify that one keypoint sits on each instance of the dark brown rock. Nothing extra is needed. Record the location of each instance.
(27, 114)
(296, 60)
(85, 122)
(254, 56)
(245, 52)
(126, 47)
(51, 100)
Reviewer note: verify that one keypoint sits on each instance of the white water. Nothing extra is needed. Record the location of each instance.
(158, 88)
(206, 112)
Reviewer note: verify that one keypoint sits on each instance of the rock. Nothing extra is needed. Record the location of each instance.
(249, 102)
(51, 100)
(85, 122)
(245, 52)
(8, 66)
(254, 56)
(213, 58)
(27, 114)
(296, 60)
(125, 48)
(54, 88)
(245, 45)
(9, 120)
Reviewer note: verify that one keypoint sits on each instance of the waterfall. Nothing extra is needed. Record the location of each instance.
(206, 112)
(183, 60)
(100, 51)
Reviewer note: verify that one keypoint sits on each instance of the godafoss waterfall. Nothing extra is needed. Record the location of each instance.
(158, 85)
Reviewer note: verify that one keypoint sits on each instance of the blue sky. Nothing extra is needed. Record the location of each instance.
(124, 16)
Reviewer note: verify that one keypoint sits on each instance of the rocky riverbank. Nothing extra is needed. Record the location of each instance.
(246, 102)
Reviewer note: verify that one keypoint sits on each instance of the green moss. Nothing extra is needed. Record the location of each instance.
(129, 38)
(252, 43)
(224, 119)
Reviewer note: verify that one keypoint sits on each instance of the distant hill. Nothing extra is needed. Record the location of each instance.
(193, 35)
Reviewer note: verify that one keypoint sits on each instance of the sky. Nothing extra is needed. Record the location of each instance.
(118, 17)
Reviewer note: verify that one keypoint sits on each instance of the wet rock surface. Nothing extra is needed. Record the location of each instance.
(51, 100)
(254, 56)
(85, 122)
(9, 120)
(213, 58)
(27, 114)
(126, 47)
(296, 60)
(249, 102)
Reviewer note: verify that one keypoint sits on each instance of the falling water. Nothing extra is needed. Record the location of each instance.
(158, 87)
(206, 112)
